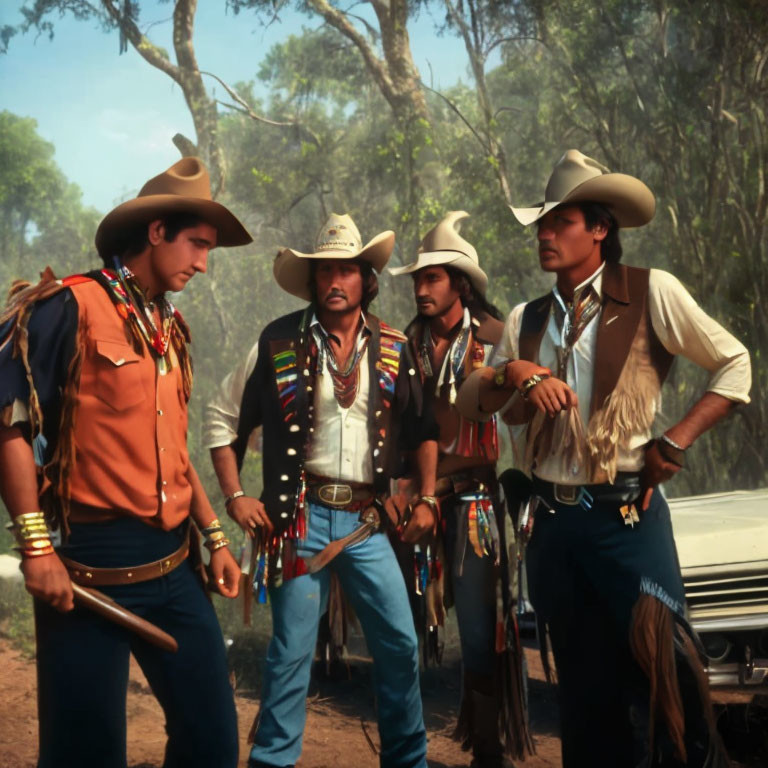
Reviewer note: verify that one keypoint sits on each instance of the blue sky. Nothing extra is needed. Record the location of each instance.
(111, 117)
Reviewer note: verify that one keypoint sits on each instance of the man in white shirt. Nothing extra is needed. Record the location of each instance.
(335, 393)
(602, 565)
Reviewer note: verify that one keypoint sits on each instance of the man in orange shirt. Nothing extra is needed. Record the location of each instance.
(96, 376)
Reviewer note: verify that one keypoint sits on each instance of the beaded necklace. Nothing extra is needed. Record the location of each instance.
(136, 309)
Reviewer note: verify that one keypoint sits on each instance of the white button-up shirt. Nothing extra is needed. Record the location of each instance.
(681, 326)
(340, 447)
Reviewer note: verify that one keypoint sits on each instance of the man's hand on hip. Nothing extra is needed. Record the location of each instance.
(47, 579)
(249, 514)
(656, 470)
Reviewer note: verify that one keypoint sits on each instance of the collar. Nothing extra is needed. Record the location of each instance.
(595, 280)
(364, 328)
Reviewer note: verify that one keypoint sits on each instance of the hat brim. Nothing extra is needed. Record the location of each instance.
(468, 396)
(229, 231)
(292, 268)
(455, 259)
(629, 200)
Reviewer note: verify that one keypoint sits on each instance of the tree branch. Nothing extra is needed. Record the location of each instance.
(340, 22)
(457, 111)
(151, 53)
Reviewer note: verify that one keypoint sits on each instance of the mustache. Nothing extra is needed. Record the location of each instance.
(335, 293)
(546, 245)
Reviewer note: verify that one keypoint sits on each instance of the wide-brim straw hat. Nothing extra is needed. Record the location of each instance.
(443, 246)
(578, 178)
(338, 238)
(184, 188)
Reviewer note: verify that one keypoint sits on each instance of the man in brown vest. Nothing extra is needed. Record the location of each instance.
(602, 565)
(455, 330)
(96, 377)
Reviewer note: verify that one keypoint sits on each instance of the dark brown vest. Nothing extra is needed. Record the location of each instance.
(625, 306)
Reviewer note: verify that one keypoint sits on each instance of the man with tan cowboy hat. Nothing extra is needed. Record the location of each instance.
(96, 376)
(335, 392)
(602, 566)
(453, 334)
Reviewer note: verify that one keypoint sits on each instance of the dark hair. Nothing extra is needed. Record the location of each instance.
(596, 214)
(370, 282)
(133, 239)
(470, 296)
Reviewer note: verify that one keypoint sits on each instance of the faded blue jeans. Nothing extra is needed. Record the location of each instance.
(374, 586)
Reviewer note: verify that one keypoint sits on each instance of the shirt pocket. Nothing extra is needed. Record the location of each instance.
(117, 375)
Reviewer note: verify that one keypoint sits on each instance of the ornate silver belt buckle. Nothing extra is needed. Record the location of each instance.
(335, 494)
(567, 494)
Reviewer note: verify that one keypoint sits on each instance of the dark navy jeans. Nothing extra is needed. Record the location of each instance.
(82, 661)
(586, 570)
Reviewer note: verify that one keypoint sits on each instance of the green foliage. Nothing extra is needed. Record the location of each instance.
(16, 616)
(672, 93)
(42, 220)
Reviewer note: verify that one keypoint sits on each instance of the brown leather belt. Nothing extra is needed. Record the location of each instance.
(111, 577)
(340, 494)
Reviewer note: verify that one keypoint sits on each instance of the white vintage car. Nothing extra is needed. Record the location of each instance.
(722, 542)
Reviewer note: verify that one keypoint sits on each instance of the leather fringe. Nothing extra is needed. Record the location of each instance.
(651, 641)
(57, 473)
(629, 410)
(510, 692)
(513, 705)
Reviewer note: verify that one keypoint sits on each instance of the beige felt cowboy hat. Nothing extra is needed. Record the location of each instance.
(443, 245)
(338, 238)
(578, 178)
(184, 188)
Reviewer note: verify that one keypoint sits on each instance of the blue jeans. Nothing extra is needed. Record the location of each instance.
(82, 660)
(374, 586)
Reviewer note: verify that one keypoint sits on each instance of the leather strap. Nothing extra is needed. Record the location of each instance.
(111, 577)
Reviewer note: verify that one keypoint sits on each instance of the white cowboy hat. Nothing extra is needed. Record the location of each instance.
(578, 178)
(443, 246)
(184, 188)
(338, 238)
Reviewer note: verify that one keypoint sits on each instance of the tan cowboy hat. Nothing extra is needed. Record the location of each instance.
(468, 398)
(338, 238)
(578, 178)
(443, 245)
(184, 188)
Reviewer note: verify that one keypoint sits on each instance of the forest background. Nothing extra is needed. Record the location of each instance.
(339, 118)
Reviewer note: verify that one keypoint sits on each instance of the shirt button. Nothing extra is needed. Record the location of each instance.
(159, 411)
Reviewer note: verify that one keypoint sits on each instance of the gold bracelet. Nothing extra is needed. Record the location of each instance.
(36, 549)
(30, 530)
(430, 501)
(214, 525)
(212, 546)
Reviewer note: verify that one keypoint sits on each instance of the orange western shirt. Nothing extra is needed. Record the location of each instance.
(130, 422)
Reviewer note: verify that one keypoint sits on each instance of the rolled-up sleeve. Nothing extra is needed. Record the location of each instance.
(222, 413)
(685, 329)
(508, 347)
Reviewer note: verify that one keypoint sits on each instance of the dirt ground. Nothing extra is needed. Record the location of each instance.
(341, 727)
